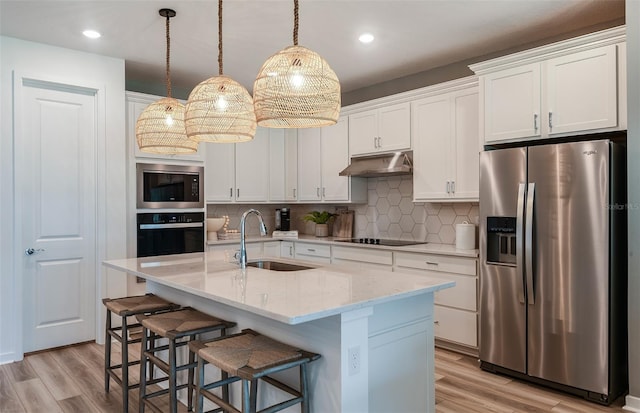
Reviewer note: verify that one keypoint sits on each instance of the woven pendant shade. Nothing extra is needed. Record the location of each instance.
(220, 109)
(160, 129)
(296, 88)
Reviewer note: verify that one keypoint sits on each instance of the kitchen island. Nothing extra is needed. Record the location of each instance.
(374, 329)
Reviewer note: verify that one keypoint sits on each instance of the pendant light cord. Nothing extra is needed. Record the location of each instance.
(295, 22)
(168, 58)
(220, 37)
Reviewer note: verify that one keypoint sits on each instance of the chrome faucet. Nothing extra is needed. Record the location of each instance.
(242, 254)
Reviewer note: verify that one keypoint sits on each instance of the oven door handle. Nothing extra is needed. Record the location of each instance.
(174, 225)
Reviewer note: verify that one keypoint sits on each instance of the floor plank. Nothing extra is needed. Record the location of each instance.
(9, 400)
(59, 383)
(35, 397)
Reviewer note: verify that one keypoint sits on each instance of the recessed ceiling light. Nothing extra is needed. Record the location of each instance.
(366, 38)
(91, 34)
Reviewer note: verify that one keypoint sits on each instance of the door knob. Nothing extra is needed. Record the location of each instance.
(31, 251)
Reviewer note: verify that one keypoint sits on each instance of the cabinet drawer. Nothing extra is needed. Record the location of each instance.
(363, 255)
(462, 296)
(436, 263)
(456, 325)
(313, 250)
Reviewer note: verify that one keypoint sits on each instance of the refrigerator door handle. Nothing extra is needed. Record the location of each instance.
(519, 243)
(528, 243)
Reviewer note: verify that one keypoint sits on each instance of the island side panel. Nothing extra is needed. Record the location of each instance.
(401, 356)
(321, 336)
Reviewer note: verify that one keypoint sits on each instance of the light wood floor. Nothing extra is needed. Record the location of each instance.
(70, 379)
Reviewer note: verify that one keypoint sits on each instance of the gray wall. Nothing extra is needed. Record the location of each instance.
(633, 169)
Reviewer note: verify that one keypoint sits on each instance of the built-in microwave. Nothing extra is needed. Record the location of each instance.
(169, 186)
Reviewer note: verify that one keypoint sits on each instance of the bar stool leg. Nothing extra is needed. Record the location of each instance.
(143, 368)
(190, 387)
(107, 352)
(125, 366)
(173, 392)
(200, 383)
(304, 387)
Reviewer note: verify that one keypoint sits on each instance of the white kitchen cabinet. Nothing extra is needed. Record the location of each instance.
(291, 164)
(383, 129)
(320, 253)
(238, 172)
(446, 146)
(309, 165)
(363, 257)
(271, 249)
(334, 141)
(219, 172)
(277, 165)
(512, 103)
(322, 154)
(581, 91)
(577, 86)
(456, 309)
(136, 104)
(287, 249)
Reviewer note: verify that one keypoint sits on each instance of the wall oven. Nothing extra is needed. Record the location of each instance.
(169, 186)
(170, 233)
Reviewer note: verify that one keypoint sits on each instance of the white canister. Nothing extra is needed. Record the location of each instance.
(465, 236)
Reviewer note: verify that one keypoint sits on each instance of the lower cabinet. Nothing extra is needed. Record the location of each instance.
(376, 259)
(313, 252)
(226, 252)
(287, 249)
(456, 309)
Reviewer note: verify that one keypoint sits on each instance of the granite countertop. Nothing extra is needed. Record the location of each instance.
(426, 248)
(291, 297)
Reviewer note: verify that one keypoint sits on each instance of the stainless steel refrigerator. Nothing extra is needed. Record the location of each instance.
(553, 266)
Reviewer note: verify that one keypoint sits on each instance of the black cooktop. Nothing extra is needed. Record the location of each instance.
(381, 241)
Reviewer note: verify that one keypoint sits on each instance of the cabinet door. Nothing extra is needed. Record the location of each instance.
(291, 164)
(582, 91)
(431, 129)
(309, 164)
(335, 157)
(512, 103)
(363, 132)
(219, 180)
(466, 145)
(276, 165)
(394, 127)
(287, 249)
(252, 168)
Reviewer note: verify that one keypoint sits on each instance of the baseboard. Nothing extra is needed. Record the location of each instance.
(632, 404)
(6, 358)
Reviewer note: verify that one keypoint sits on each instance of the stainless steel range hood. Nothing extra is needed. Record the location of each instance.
(398, 163)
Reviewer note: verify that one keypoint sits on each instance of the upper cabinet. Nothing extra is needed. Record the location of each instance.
(322, 154)
(238, 172)
(136, 103)
(382, 129)
(577, 86)
(444, 126)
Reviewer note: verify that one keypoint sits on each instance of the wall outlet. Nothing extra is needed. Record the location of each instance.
(354, 360)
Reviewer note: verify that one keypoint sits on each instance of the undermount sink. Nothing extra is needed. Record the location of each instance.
(277, 266)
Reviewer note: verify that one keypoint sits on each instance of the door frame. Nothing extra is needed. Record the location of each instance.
(98, 91)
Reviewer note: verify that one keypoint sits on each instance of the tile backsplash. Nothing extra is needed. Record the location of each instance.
(389, 213)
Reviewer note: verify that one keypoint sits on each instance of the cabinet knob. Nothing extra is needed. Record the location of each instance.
(324, 192)
(453, 187)
(535, 121)
(550, 120)
(318, 192)
(448, 187)
(294, 193)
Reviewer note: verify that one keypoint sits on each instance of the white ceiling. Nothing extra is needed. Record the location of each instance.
(411, 35)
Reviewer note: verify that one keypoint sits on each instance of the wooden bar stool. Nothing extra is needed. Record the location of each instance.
(125, 307)
(186, 323)
(250, 356)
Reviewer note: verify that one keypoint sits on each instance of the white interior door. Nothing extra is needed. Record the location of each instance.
(56, 177)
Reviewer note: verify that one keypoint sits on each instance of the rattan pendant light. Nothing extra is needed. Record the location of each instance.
(160, 127)
(220, 109)
(296, 88)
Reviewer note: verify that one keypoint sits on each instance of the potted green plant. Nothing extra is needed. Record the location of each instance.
(321, 219)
